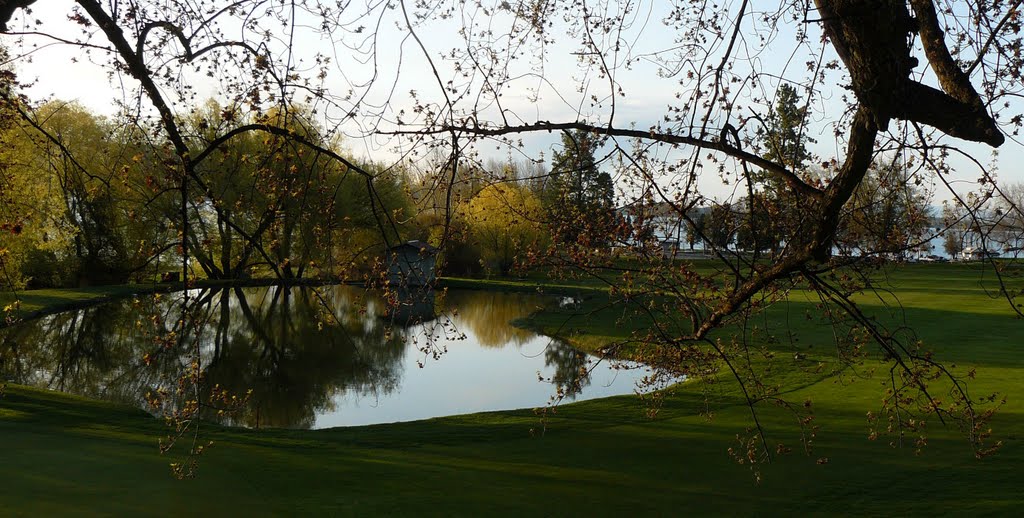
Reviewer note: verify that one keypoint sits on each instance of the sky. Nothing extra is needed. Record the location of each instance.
(564, 92)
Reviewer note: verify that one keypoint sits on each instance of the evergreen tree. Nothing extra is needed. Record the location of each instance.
(785, 142)
(580, 198)
(784, 139)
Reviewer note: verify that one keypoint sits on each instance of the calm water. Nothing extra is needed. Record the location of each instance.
(314, 359)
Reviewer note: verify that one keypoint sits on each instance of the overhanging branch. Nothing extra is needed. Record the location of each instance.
(791, 179)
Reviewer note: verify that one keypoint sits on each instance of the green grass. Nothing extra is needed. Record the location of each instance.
(65, 455)
(33, 303)
(28, 304)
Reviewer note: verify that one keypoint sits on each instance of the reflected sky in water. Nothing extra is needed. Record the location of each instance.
(315, 358)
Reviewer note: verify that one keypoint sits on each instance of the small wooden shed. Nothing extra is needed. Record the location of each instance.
(411, 264)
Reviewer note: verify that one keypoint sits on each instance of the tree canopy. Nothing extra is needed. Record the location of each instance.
(505, 222)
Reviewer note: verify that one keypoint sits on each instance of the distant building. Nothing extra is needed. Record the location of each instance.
(411, 264)
(660, 223)
(976, 254)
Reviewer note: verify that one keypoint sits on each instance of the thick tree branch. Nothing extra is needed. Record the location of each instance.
(859, 151)
(216, 144)
(928, 105)
(870, 37)
(976, 123)
(953, 80)
(7, 8)
(135, 66)
(791, 179)
(818, 241)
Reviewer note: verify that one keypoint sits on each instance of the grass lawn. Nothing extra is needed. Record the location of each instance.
(65, 455)
(31, 303)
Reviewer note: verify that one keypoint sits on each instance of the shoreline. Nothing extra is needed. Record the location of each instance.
(82, 298)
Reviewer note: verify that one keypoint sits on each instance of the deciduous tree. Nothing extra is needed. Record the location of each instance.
(889, 212)
(505, 224)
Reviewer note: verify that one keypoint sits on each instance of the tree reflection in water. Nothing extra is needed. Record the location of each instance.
(270, 340)
(299, 350)
(93, 352)
(274, 342)
(487, 314)
(572, 368)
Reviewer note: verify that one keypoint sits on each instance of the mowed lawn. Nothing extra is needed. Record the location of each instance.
(64, 455)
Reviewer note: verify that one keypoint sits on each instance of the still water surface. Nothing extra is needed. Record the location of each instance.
(314, 359)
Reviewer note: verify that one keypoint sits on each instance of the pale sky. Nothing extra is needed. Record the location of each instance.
(68, 73)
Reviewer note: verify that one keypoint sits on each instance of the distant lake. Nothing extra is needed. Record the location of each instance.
(314, 358)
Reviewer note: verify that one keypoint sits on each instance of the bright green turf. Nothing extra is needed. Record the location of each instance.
(64, 455)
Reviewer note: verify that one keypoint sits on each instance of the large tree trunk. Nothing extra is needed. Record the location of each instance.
(871, 37)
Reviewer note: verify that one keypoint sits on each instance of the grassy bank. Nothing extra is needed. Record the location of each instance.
(29, 304)
(65, 455)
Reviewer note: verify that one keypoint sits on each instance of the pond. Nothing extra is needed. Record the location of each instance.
(314, 358)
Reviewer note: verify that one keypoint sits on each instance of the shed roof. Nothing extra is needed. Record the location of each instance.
(417, 245)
